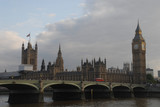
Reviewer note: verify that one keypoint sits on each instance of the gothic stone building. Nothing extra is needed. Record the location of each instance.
(50, 73)
(139, 60)
(89, 71)
(29, 55)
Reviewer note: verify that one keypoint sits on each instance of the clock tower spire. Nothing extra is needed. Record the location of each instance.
(139, 57)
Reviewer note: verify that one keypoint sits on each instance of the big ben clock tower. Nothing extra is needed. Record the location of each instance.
(139, 59)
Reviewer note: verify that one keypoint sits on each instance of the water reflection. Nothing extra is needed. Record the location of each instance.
(141, 102)
(129, 102)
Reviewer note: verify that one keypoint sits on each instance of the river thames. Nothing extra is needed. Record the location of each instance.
(48, 102)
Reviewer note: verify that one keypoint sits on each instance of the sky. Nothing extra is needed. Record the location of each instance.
(84, 29)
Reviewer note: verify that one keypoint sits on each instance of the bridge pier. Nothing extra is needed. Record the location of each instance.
(83, 95)
(132, 94)
(41, 92)
(41, 97)
(111, 91)
(25, 97)
(111, 94)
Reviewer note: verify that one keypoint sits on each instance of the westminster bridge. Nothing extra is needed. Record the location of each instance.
(31, 91)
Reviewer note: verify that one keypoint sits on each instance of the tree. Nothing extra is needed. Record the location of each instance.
(150, 78)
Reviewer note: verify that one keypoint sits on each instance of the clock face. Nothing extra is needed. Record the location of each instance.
(143, 46)
(136, 46)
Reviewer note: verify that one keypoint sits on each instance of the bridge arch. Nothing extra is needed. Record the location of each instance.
(121, 91)
(139, 92)
(104, 85)
(51, 84)
(14, 86)
(22, 92)
(138, 86)
(64, 91)
(122, 85)
(93, 91)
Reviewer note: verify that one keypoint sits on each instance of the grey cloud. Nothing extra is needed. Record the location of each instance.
(10, 46)
(106, 30)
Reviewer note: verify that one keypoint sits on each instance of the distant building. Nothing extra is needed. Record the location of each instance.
(90, 70)
(126, 67)
(57, 66)
(29, 55)
(150, 71)
(50, 73)
(25, 67)
(9, 75)
(158, 75)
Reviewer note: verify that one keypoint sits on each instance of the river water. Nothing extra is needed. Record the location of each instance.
(48, 102)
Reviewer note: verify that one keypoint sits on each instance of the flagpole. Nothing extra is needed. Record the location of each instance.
(29, 38)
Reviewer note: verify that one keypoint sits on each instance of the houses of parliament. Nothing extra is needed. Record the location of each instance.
(89, 70)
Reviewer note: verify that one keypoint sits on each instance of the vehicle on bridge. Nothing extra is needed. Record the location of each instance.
(99, 79)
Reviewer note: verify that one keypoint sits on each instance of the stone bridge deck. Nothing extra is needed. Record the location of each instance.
(42, 84)
(22, 89)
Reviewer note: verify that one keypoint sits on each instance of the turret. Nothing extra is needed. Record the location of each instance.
(81, 62)
(43, 65)
(22, 54)
(138, 30)
(105, 61)
(49, 66)
(36, 47)
(29, 45)
(86, 60)
(59, 60)
(59, 52)
(99, 59)
(23, 46)
(138, 33)
(92, 63)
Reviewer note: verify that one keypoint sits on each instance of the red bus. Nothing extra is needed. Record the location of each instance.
(99, 79)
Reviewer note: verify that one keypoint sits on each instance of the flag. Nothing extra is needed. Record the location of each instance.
(28, 35)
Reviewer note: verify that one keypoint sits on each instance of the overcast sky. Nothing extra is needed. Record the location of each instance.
(84, 28)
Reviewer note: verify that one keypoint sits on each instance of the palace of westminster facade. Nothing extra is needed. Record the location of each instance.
(89, 71)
